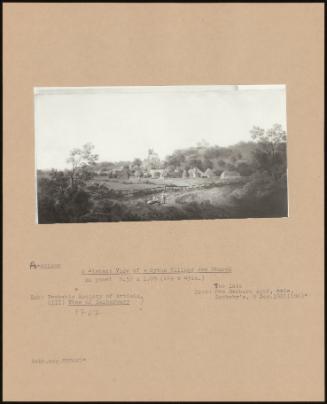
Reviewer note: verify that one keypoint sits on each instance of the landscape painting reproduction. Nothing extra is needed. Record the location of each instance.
(110, 154)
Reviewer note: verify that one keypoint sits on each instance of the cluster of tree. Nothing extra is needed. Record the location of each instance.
(265, 194)
(61, 194)
(266, 152)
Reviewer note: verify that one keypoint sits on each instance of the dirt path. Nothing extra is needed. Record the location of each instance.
(217, 196)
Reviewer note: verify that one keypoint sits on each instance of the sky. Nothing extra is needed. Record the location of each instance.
(124, 122)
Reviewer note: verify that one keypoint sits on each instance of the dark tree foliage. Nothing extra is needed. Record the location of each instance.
(62, 197)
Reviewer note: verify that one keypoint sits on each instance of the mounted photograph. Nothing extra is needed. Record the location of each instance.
(144, 153)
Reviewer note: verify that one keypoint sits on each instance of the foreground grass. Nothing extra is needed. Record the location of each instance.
(112, 200)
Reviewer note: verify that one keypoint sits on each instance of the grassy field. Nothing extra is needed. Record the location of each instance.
(184, 197)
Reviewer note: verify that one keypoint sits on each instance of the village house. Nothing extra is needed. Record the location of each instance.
(158, 173)
(102, 172)
(178, 173)
(120, 172)
(124, 173)
(195, 173)
(138, 173)
(208, 173)
(229, 174)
